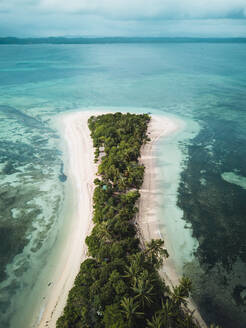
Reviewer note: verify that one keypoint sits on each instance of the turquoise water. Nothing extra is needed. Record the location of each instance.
(204, 85)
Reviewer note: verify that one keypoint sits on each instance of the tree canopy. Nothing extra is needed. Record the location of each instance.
(118, 285)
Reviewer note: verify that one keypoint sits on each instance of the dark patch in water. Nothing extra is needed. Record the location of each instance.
(237, 294)
(13, 231)
(23, 118)
(217, 211)
(10, 244)
(9, 168)
(62, 176)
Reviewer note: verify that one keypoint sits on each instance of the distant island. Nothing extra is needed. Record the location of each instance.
(112, 40)
(119, 285)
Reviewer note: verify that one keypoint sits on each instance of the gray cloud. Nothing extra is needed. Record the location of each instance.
(145, 8)
(123, 17)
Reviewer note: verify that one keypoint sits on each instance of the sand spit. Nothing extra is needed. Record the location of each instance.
(81, 172)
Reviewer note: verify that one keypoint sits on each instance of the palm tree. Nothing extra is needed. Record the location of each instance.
(185, 284)
(187, 321)
(138, 258)
(122, 184)
(181, 292)
(178, 296)
(168, 311)
(129, 309)
(143, 289)
(156, 321)
(103, 233)
(156, 252)
(132, 271)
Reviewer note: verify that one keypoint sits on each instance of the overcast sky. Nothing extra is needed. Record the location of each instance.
(222, 18)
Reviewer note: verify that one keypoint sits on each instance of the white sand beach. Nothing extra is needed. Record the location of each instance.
(81, 172)
(148, 218)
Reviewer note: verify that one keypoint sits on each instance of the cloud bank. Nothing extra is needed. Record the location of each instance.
(123, 17)
(135, 9)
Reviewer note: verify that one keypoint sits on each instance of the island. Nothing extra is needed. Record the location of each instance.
(112, 273)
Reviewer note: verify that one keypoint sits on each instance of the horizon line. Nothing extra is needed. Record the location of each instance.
(115, 39)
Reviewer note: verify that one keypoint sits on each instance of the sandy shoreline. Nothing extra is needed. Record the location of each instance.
(81, 172)
(147, 218)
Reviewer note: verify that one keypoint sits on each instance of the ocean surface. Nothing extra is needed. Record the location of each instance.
(202, 167)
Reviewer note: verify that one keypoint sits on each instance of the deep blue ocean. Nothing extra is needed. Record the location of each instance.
(201, 82)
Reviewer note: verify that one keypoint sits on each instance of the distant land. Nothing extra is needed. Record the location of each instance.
(111, 40)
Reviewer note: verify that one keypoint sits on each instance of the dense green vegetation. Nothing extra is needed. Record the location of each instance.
(119, 286)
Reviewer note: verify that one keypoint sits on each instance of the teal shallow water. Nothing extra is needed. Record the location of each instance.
(204, 83)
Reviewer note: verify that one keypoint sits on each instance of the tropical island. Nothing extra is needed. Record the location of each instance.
(119, 284)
